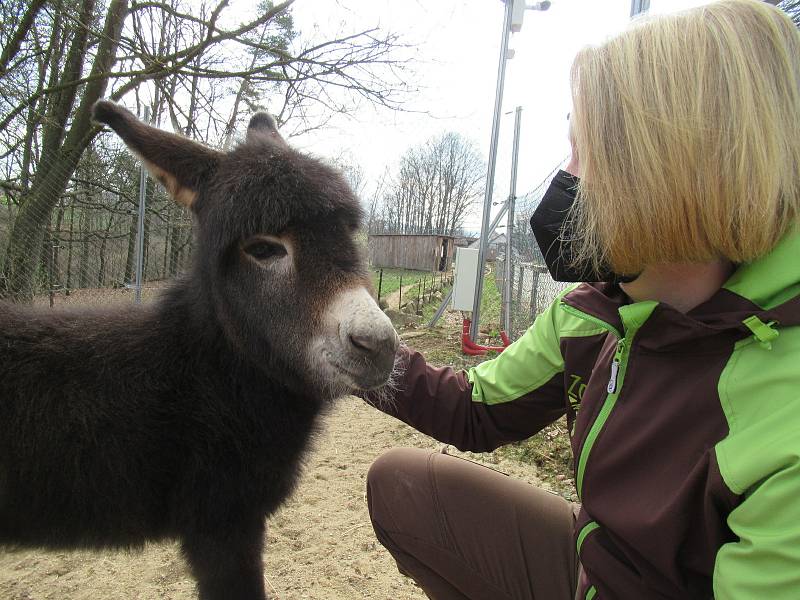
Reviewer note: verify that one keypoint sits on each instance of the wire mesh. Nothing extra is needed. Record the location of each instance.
(80, 246)
(532, 288)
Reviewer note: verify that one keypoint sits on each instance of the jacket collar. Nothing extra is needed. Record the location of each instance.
(773, 280)
(768, 288)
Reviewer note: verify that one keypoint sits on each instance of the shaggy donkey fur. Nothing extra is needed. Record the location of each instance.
(187, 418)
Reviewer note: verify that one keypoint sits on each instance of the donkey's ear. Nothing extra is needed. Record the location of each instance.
(180, 164)
(264, 127)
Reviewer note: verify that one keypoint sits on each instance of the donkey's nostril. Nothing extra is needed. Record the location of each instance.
(363, 343)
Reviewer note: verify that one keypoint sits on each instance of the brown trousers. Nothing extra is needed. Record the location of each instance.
(463, 531)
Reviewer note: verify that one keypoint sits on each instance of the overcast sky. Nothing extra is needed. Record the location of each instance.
(455, 66)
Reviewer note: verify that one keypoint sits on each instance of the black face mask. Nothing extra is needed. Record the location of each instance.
(556, 238)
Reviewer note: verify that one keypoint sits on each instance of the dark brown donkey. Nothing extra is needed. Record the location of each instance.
(187, 418)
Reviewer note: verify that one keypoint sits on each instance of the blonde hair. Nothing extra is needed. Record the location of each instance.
(688, 130)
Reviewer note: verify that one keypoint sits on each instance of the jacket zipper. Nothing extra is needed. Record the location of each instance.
(617, 360)
(583, 534)
(618, 364)
(585, 531)
(615, 364)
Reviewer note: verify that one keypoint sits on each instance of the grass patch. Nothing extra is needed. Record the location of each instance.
(392, 278)
(491, 304)
(429, 309)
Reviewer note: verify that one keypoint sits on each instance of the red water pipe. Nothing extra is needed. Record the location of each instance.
(471, 348)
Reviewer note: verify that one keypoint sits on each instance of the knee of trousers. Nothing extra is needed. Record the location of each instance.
(391, 480)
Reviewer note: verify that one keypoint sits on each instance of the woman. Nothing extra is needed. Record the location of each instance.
(678, 372)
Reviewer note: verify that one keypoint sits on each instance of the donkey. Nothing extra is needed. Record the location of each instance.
(187, 418)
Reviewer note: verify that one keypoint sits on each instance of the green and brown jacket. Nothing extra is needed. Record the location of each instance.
(685, 430)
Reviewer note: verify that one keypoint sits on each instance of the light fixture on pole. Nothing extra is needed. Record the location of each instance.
(512, 21)
(518, 12)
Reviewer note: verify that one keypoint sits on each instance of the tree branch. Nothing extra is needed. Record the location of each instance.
(15, 42)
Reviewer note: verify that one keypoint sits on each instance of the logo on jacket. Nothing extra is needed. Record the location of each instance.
(575, 391)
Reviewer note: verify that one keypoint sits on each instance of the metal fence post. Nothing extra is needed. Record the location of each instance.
(53, 247)
(451, 277)
(140, 225)
(512, 195)
(534, 291)
(487, 200)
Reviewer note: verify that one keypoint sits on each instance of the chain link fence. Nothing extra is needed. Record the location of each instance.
(532, 288)
(81, 246)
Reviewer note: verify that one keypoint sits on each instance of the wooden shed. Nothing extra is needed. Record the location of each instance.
(411, 251)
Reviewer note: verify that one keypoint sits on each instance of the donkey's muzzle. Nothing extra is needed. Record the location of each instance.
(372, 343)
(367, 339)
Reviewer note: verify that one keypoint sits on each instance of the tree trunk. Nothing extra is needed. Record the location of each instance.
(130, 257)
(85, 234)
(68, 286)
(101, 271)
(57, 239)
(52, 177)
(15, 41)
(148, 216)
(167, 238)
(175, 247)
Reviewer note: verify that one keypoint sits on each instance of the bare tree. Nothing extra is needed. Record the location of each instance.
(66, 132)
(792, 7)
(353, 172)
(436, 184)
(18, 20)
(61, 56)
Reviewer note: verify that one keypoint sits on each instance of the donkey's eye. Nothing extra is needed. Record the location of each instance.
(263, 250)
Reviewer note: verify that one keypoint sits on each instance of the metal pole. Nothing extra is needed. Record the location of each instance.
(512, 195)
(534, 292)
(639, 6)
(140, 230)
(53, 247)
(449, 296)
(487, 199)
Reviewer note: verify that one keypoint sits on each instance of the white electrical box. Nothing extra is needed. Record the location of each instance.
(465, 275)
